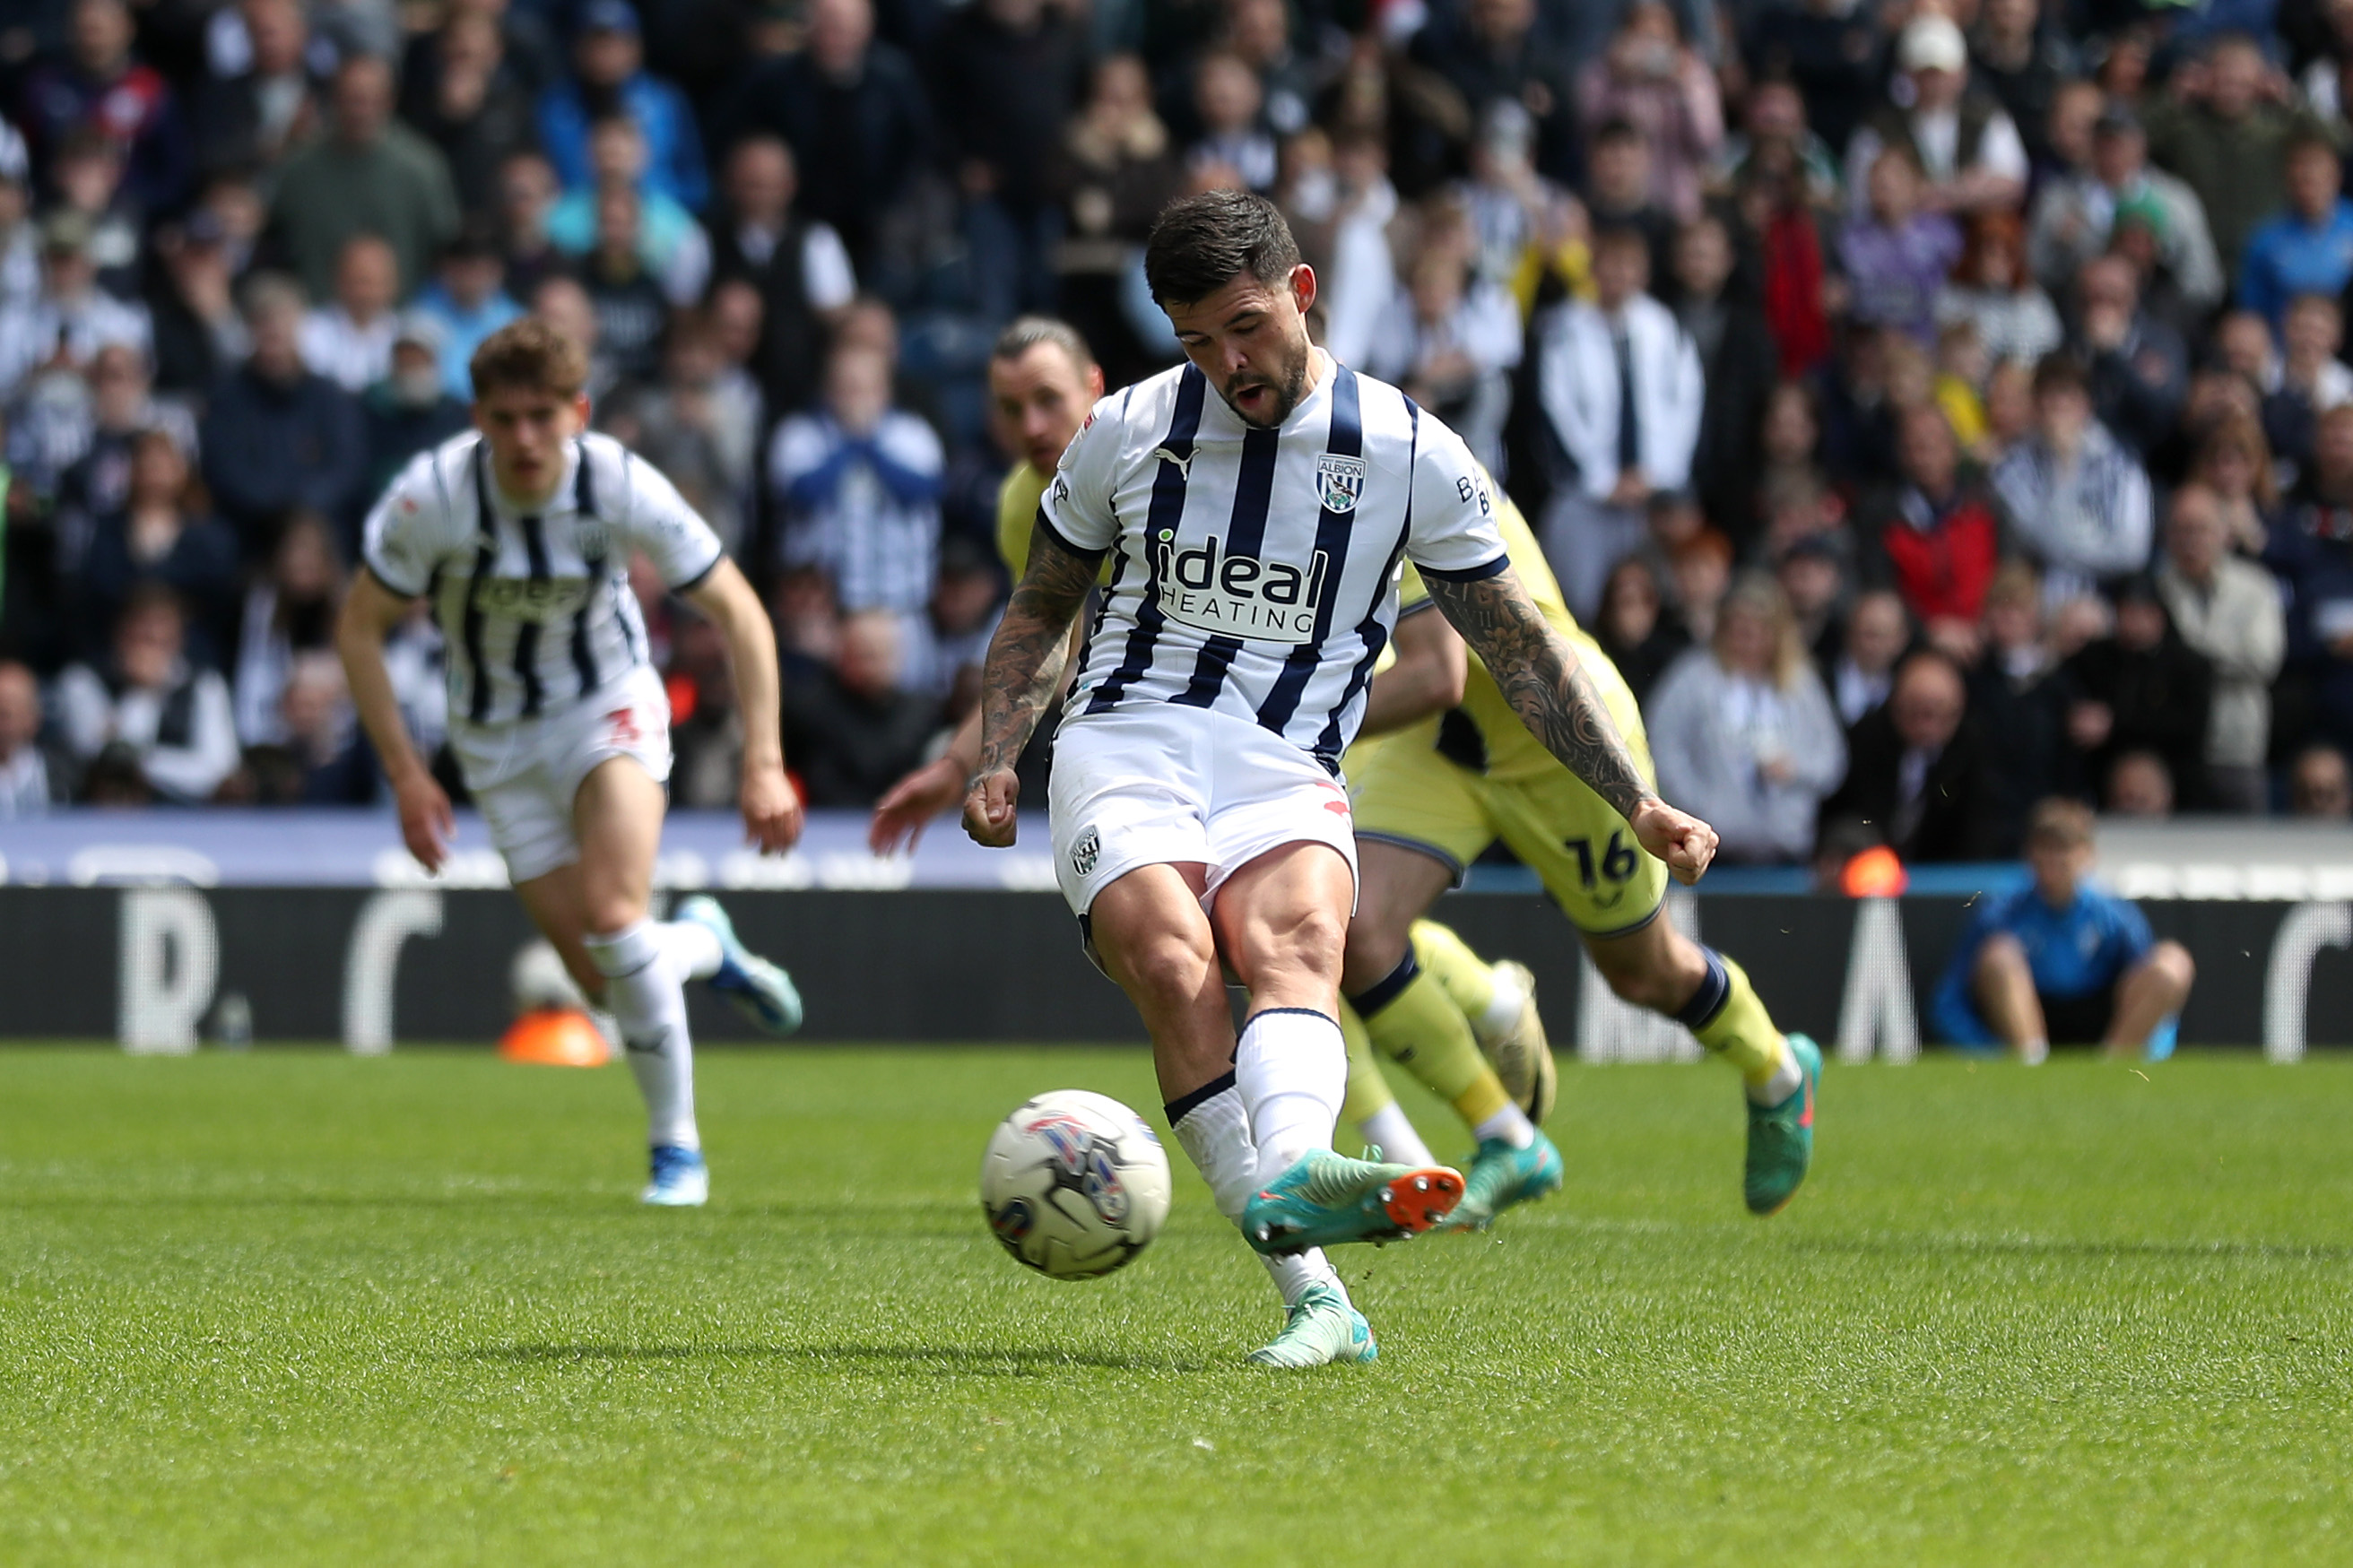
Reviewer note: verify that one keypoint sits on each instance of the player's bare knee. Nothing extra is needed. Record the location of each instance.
(2171, 964)
(2000, 956)
(1170, 967)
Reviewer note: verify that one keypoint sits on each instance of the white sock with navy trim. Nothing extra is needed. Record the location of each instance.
(1213, 1129)
(642, 985)
(1291, 1067)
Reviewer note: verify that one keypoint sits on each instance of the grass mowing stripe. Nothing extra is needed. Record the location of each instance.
(293, 1305)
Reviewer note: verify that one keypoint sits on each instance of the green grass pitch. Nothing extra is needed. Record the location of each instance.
(296, 1308)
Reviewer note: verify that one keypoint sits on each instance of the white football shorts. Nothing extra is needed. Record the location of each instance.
(1175, 784)
(525, 775)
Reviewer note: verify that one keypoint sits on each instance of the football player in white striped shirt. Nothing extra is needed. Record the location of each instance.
(520, 534)
(1255, 503)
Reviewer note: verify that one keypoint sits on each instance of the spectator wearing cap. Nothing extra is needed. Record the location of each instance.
(349, 340)
(1915, 767)
(1619, 383)
(467, 300)
(671, 248)
(2227, 608)
(100, 85)
(2308, 249)
(253, 118)
(278, 437)
(410, 409)
(2077, 213)
(191, 299)
(2142, 689)
(2226, 138)
(367, 175)
(1959, 136)
(147, 709)
(798, 265)
(71, 318)
(2062, 961)
(1935, 536)
(2080, 501)
(609, 77)
(2138, 365)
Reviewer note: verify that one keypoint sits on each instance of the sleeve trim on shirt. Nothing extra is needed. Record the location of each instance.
(1495, 568)
(390, 586)
(692, 584)
(1063, 541)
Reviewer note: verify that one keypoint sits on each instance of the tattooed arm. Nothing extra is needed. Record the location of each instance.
(1542, 678)
(1026, 659)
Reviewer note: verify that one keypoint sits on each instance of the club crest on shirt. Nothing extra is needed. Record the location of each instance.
(1341, 480)
(1084, 853)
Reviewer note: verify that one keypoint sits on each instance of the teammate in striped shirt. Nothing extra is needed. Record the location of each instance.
(1256, 503)
(521, 535)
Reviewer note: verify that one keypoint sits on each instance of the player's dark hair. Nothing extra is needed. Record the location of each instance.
(2060, 371)
(532, 355)
(1201, 243)
(1026, 333)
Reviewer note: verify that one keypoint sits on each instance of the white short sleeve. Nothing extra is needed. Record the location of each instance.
(659, 521)
(1454, 536)
(408, 534)
(1078, 504)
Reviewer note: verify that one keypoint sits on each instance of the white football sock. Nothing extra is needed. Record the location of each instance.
(1394, 1133)
(695, 951)
(1784, 1081)
(1291, 1067)
(643, 988)
(1293, 1274)
(1511, 1124)
(1503, 1007)
(1214, 1130)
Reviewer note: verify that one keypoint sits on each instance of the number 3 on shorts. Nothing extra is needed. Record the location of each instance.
(624, 731)
(1617, 861)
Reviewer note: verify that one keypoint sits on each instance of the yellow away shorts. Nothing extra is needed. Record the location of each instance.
(1406, 794)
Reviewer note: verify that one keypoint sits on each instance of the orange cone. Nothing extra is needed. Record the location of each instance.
(1876, 873)
(556, 1038)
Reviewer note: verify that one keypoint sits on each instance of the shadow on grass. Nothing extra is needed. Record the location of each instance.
(2030, 1247)
(946, 1361)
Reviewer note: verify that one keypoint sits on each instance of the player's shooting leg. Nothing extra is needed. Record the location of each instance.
(618, 815)
(2152, 992)
(1660, 968)
(2003, 985)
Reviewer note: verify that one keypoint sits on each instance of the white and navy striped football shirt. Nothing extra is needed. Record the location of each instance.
(536, 605)
(1254, 571)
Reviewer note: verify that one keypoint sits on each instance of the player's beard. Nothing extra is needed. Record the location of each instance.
(1287, 393)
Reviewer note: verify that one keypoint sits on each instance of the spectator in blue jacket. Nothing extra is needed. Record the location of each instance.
(2311, 552)
(608, 60)
(858, 486)
(2308, 249)
(2062, 959)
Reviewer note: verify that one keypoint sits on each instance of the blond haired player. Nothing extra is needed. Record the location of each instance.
(521, 532)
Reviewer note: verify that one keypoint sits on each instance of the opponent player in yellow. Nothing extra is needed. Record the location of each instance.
(1042, 381)
(1462, 772)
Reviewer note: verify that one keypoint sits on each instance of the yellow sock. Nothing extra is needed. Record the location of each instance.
(1412, 1019)
(1728, 1017)
(1462, 973)
(1369, 1092)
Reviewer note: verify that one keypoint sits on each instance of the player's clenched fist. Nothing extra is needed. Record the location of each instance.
(988, 809)
(772, 808)
(1685, 843)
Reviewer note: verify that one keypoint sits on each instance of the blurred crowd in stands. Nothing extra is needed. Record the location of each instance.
(1933, 405)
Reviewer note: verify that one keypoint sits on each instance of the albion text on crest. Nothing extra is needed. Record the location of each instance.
(1341, 479)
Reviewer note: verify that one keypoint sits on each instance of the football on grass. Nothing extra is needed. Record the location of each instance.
(1074, 1185)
